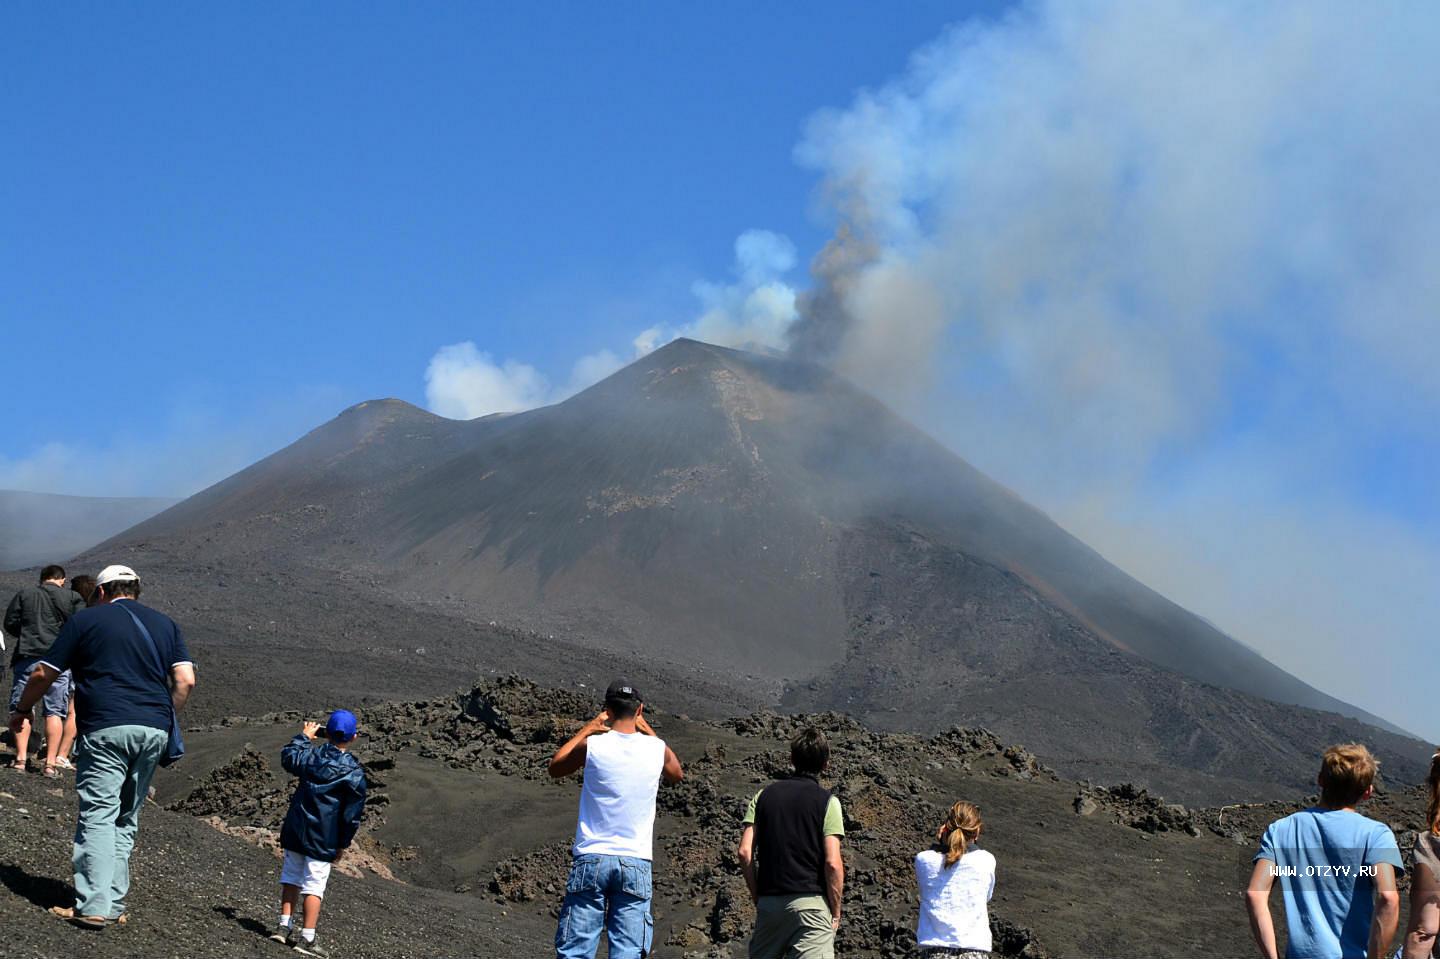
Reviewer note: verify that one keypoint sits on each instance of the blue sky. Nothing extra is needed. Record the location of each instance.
(291, 207)
(1169, 270)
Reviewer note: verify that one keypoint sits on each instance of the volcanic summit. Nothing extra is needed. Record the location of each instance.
(765, 524)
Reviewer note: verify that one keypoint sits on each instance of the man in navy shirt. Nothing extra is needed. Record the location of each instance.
(126, 685)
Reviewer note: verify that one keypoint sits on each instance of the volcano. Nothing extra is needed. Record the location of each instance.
(765, 523)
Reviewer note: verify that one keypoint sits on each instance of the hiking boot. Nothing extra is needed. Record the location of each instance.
(310, 948)
(285, 935)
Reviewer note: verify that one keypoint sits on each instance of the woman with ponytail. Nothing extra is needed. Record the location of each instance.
(1425, 880)
(956, 881)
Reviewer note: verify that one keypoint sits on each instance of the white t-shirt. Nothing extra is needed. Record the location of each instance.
(952, 901)
(617, 803)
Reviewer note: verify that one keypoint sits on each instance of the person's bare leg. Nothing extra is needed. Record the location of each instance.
(289, 896)
(22, 742)
(312, 912)
(67, 738)
(54, 732)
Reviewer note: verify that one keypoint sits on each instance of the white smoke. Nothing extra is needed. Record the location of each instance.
(1124, 201)
(753, 311)
(1172, 270)
(463, 382)
(591, 369)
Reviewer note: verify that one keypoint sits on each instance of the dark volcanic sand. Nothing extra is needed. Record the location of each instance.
(197, 892)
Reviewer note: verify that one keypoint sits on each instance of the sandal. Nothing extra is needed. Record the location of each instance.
(84, 922)
(65, 764)
(51, 771)
(16, 764)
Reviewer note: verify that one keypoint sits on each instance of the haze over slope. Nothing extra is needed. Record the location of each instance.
(38, 528)
(755, 516)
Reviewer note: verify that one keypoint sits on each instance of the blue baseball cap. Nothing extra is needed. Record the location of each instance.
(342, 724)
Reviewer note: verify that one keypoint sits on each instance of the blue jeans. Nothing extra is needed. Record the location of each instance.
(609, 894)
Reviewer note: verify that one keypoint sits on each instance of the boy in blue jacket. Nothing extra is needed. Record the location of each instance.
(324, 814)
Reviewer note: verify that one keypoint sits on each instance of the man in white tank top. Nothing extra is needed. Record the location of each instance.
(609, 885)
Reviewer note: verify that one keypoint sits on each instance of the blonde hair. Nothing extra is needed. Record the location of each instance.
(962, 827)
(1346, 772)
(1432, 782)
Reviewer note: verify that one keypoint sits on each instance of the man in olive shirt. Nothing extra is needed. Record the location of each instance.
(793, 827)
(34, 618)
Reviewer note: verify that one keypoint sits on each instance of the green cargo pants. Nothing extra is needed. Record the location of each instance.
(113, 769)
(792, 927)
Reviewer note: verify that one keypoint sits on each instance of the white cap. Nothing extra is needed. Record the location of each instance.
(114, 574)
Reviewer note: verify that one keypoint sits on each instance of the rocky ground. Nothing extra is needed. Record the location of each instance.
(464, 850)
(200, 892)
(465, 847)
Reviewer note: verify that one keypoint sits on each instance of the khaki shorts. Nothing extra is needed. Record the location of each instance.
(792, 927)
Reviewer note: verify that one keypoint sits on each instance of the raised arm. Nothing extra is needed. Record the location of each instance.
(1387, 910)
(1257, 903)
(672, 773)
(570, 757)
(297, 753)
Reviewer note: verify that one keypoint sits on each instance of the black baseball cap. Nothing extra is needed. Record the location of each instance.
(622, 690)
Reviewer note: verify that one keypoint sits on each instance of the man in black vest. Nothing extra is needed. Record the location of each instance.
(790, 854)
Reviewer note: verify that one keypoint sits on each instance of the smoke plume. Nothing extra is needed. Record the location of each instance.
(754, 310)
(462, 382)
(1170, 269)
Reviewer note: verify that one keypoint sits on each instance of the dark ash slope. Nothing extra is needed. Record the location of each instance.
(753, 521)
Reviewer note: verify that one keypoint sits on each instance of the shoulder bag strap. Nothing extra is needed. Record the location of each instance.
(159, 661)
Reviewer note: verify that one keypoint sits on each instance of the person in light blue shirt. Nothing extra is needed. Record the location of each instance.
(1336, 868)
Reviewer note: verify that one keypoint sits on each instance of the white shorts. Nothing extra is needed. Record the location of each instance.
(310, 875)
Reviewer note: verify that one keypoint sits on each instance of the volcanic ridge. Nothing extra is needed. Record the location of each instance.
(756, 531)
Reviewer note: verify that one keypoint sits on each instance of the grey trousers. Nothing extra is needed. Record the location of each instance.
(113, 769)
